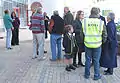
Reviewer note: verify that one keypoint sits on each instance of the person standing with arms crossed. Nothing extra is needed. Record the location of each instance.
(15, 32)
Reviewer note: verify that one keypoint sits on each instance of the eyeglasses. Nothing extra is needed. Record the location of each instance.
(82, 14)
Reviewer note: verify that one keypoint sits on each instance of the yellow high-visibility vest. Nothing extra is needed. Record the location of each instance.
(92, 29)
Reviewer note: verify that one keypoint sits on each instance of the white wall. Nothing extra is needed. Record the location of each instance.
(113, 5)
(50, 5)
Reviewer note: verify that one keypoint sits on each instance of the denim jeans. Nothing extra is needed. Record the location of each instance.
(92, 53)
(55, 40)
(8, 38)
(38, 39)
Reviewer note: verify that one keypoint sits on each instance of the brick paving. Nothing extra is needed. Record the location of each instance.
(16, 66)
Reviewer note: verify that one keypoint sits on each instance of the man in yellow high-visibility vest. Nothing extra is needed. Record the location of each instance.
(94, 35)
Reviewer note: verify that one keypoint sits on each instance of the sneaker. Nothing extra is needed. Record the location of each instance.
(41, 59)
(9, 48)
(52, 60)
(34, 57)
(97, 78)
(45, 51)
(108, 73)
(67, 69)
(72, 67)
(86, 76)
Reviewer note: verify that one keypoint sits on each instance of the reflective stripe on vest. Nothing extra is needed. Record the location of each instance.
(92, 29)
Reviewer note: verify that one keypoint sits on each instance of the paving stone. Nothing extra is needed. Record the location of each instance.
(16, 66)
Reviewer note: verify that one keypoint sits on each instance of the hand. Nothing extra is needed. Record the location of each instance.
(46, 19)
(12, 28)
(13, 19)
(73, 34)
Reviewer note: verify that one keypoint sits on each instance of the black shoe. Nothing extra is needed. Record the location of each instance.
(67, 69)
(10, 48)
(81, 64)
(108, 73)
(17, 44)
(13, 44)
(37, 53)
(34, 57)
(45, 51)
(63, 49)
(75, 65)
(72, 67)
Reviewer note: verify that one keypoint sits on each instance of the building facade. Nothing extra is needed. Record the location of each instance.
(19, 6)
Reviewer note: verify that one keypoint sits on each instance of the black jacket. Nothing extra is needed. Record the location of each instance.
(103, 19)
(68, 43)
(58, 24)
(77, 25)
(46, 22)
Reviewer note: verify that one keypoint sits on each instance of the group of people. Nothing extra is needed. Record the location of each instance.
(90, 35)
(96, 38)
(12, 24)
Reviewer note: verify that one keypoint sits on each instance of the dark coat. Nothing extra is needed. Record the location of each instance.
(68, 43)
(58, 26)
(77, 25)
(16, 22)
(68, 19)
(109, 48)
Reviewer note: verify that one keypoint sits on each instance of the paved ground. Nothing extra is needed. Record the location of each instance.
(16, 66)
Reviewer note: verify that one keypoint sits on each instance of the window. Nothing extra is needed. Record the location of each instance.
(1, 12)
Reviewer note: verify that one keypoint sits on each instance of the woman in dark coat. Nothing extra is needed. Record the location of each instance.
(109, 50)
(77, 24)
(15, 32)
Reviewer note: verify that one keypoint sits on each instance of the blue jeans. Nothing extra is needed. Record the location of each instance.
(92, 53)
(8, 38)
(55, 40)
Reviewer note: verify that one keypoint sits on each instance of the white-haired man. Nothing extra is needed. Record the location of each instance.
(38, 28)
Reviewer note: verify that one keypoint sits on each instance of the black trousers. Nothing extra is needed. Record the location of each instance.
(15, 36)
(46, 35)
(75, 52)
